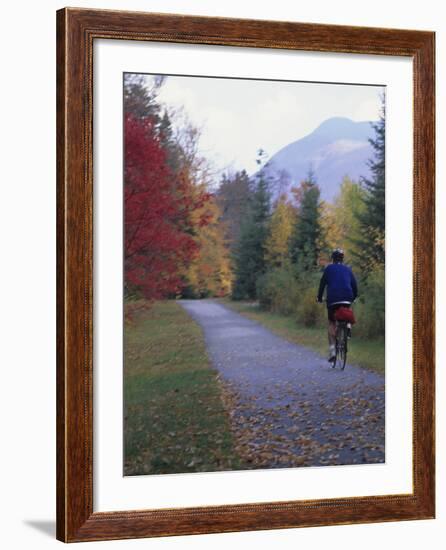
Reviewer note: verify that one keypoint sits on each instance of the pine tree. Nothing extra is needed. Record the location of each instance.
(140, 97)
(171, 146)
(233, 198)
(306, 239)
(250, 251)
(370, 243)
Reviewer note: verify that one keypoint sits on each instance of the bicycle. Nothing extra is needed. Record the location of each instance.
(343, 333)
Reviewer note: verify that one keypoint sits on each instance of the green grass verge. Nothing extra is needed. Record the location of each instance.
(365, 353)
(174, 417)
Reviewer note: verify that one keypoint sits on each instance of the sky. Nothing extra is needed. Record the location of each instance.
(238, 116)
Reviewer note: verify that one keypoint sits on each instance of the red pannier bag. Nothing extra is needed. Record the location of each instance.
(345, 314)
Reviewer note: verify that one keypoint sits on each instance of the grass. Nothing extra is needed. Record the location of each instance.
(174, 417)
(365, 353)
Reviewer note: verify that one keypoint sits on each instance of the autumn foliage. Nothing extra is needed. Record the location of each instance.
(159, 222)
(189, 236)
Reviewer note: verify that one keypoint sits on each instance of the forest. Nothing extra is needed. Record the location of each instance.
(191, 232)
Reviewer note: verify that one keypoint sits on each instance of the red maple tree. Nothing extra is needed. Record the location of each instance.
(158, 236)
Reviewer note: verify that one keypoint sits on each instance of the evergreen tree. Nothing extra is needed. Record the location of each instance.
(233, 197)
(306, 239)
(140, 97)
(171, 146)
(250, 251)
(370, 243)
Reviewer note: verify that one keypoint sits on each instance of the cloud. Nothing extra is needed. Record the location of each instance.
(345, 146)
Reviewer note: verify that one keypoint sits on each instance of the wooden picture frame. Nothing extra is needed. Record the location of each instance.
(76, 31)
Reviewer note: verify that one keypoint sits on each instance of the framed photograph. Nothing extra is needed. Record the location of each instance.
(245, 275)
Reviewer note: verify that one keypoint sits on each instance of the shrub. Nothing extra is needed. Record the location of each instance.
(284, 291)
(292, 291)
(309, 312)
(370, 309)
(278, 291)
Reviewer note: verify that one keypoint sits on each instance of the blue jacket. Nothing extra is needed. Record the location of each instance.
(340, 282)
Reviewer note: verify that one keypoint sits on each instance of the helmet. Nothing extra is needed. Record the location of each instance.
(337, 255)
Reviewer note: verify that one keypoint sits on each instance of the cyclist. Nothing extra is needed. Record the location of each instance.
(342, 290)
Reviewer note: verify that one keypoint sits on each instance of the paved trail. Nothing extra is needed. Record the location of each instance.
(288, 407)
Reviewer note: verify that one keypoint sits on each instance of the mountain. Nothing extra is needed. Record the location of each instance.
(338, 147)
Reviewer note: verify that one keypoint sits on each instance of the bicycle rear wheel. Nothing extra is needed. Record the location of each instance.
(341, 346)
